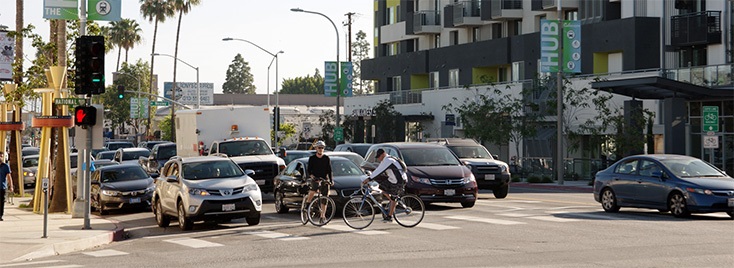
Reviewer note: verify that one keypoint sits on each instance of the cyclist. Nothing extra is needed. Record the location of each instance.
(391, 183)
(319, 168)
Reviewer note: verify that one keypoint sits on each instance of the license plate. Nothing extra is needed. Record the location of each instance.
(134, 200)
(228, 207)
(731, 202)
(449, 192)
(489, 177)
(260, 182)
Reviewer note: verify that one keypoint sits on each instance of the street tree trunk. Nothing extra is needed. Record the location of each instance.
(59, 196)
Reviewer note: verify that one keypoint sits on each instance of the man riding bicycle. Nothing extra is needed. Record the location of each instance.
(319, 168)
(391, 176)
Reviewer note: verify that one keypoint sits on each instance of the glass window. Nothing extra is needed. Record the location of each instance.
(396, 83)
(437, 41)
(628, 167)
(476, 34)
(454, 38)
(454, 77)
(647, 168)
(434, 80)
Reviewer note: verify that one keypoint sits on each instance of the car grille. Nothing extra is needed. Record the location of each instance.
(729, 193)
(219, 193)
(349, 191)
(133, 193)
(263, 170)
(487, 169)
(451, 182)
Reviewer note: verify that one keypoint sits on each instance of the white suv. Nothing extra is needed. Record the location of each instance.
(205, 188)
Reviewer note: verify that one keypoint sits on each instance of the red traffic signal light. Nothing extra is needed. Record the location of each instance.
(85, 116)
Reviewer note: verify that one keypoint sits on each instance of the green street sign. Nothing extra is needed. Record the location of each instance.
(159, 103)
(338, 134)
(68, 101)
(710, 119)
(61, 9)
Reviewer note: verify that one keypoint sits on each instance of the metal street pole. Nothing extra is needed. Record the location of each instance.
(559, 99)
(173, 90)
(338, 64)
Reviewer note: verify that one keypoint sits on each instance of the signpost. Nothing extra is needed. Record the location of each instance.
(338, 134)
(710, 119)
(159, 103)
(69, 101)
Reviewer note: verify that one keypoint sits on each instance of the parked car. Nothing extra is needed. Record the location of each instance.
(110, 155)
(130, 155)
(120, 186)
(290, 155)
(676, 183)
(489, 172)
(150, 144)
(30, 167)
(359, 148)
(354, 157)
(114, 145)
(435, 173)
(290, 187)
(300, 146)
(161, 153)
(205, 188)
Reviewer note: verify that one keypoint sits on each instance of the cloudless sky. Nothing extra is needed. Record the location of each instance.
(307, 40)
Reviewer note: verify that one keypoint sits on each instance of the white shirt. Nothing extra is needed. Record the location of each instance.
(392, 168)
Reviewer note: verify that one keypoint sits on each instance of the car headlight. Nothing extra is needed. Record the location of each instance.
(332, 192)
(468, 179)
(195, 191)
(250, 187)
(110, 193)
(420, 180)
(28, 174)
(699, 191)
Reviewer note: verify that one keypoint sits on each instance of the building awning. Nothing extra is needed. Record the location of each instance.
(661, 88)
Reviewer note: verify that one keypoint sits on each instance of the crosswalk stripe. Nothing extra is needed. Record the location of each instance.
(434, 226)
(484, 220)
(345, 228)
(552, 218)
(276, 235)
(515, 215)
(193, 243)
(594, 216)
(105, 253)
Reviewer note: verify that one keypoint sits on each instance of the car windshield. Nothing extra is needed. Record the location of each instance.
(30, 162)
(429, 157)
(166, 152)
(688, 168)
(134, 155)
(129, 173)
(104, 163)
(470, 152)
(361, 150)
(117, 145)
(290, 156)
(211, 170)
(106, 155)
(343, 167)
(244, 148)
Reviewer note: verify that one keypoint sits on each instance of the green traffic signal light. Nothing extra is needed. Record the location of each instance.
(120, 92)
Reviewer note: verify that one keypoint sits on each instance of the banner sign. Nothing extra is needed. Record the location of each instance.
(61, 9)
(330, 76)
(549, 46)
(186, 92)
(346, 79)
(7, 55)
(107, 10)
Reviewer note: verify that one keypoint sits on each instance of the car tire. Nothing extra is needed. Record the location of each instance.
(609, 200)
(280, 206)
(467, 204)
(678, 206)
(501, 192)
(184, 223)
(254, 220)
(161, 219)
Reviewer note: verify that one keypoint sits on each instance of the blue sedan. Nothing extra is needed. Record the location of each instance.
(676, 183)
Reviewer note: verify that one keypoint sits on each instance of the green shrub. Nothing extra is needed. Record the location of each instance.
(546, 179)
(533, 179)
(516, 179)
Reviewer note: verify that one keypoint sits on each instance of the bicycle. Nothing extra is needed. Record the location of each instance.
(359, 212)
(312, 211)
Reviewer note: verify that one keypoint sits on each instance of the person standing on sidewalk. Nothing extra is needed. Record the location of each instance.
(6, 183)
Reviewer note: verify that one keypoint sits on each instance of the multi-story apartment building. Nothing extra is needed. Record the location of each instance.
(672, 57)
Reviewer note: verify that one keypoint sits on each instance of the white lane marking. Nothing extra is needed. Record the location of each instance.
(193, 243)
(552, 218)
(105, 253)
(514, 215)
(593, 216)
(484, 220)
(29, 263)
(572, 207)
(434, 226)
(345, 228)
(276, 235)
(233, 230)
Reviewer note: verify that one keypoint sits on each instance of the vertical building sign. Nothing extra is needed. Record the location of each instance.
(7, 55)
(549, 45)
(346, 79)
(330, 76)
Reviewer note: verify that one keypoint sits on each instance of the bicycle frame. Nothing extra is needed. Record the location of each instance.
(366, 193)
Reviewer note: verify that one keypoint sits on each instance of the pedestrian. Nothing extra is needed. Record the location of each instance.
(6, 183)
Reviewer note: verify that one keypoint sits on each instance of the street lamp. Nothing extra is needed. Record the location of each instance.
(338, 88)
(136, 79)
(198, 86)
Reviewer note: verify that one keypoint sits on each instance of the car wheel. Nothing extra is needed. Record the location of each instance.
(254, 220)
(184, 223)
(467, 204)
(501, 192)
(280, 206)
(161, 219)
(678, 206)
(609, 201)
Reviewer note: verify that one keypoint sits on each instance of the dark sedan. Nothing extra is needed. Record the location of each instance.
(676, 183)
(120, 186)
(290, 187)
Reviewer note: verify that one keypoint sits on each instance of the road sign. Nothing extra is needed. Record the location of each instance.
(338, 134)
(710, 142)
(159, 103)
(710, 118)
(69, 101)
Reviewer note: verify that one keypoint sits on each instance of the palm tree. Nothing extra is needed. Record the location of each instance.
(116, 32)
(131, 36)
(183, 7)
(155, 11)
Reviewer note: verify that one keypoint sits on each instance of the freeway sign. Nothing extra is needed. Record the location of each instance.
(68, 101)
(338, 134)
(159, 103)
(710, 119)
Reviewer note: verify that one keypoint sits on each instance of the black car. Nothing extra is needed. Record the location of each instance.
(489, 172)
(120, 186)
(359, 148)
(290, 187)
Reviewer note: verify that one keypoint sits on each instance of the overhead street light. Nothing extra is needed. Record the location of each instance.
(173, 92)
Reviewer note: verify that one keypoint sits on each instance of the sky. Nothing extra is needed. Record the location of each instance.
(307, 40)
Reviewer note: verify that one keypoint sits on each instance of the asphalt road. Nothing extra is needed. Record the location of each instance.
(530, 228)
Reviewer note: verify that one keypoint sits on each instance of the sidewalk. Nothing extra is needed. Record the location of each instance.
(568, 186)
(21, 232)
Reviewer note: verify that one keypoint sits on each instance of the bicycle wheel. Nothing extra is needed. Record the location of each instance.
(315, 209)
(358, 214)
(304, 211)
(409, 211)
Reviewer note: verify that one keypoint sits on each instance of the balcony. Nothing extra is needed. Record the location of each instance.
(506, 9)
(551, 5)
(699, 28)
(427, 22)
(467, 13)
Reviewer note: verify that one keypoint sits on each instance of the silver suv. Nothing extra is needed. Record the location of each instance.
(205, 188)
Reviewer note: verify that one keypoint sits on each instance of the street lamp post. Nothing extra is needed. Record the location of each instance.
(173, 90)
(277, 95)
(338, 87)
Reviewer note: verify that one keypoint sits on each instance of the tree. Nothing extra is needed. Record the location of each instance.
(386, 121)
(124, 34)
(164, 126)
(327, 120)
(239, 79)
(304, 85)
(155, 11)
(360, 51)
(288, 129)
(119, 110)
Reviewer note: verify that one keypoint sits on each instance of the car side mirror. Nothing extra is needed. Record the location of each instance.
(171, 179)
(368, 172)
(496, 156)
(249, 172)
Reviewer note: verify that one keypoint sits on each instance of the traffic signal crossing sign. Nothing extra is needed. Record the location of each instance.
(90, 51)
(85, 116)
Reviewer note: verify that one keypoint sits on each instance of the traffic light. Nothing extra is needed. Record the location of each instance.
(276, 118)
(120, 92)
(90, 51)
(85, 116)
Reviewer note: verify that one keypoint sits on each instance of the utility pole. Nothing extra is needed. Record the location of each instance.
(349, 35)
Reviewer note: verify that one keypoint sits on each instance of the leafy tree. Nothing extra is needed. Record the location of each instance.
(288, 129)
(327, 121)
(124, 34)
(119, 110)
(360, 51)
(239, 79)
(386, 121)
(164, 126)
(304, 85)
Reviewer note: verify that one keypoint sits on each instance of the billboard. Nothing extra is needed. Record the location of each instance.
(186, 92)
(7, 54)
